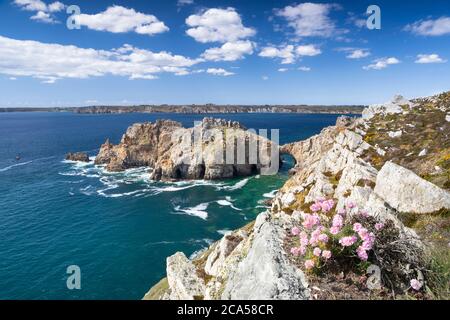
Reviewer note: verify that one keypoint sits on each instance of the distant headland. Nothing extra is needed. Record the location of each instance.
(199, 109)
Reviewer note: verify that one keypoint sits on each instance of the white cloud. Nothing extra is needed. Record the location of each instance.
(355, 53)
(230, 51)
(310, 19)
(56, 6)
(43, 17)
(429, 58)
(43, 11)
(304, 69)
(289, 53)
(51, 62)
(382, 63)
(219, 72)
(265, 78)
(31, 5)
(118, 19)
(283, 69)
(308, 50)
(218, 25)
(430, 27)
(286, 53)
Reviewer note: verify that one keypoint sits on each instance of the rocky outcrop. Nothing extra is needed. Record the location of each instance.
(404, 191)
(338, 163)
(392, 107)
(265, 272)
(183, 280)
(212, 149)
(78, 156)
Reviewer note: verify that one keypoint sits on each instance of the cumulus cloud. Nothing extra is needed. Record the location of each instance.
(44, 12)
(310, 19)
(382, 63)
(219, 72)
(218, 25)
(429, 58)
(304, 69)
(289, 53)
(118, 19)
(51, 62)
(308, 50)
(430, 27)
(283, 69)
(355, 53)
(358, 54)
(230, 51)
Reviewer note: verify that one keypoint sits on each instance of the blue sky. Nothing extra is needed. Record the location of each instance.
(224, 52)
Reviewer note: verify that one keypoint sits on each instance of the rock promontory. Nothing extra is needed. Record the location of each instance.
(212, 149)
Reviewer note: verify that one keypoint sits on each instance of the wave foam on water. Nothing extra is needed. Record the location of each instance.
(138, 179)
(197, 211)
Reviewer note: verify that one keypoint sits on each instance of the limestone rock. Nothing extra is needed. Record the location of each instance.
(392, 107)
(183, 280)
(404, 191)
(265, 273)
(206, 151)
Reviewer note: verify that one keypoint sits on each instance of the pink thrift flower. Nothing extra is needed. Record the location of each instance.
(295, 231)
(327, 205)
(416, 284)
(326, 254)
(309, 264)
(317, 251)
(323, 238)
(351, 205)
(362, 253)
(348, 241)
(335, 230)
(302, 250)
(379, 226)
(342, 212)
(315, 207)
(357, 226)
(364, 213)
(338, 221)
(304, 239)
(295, 251)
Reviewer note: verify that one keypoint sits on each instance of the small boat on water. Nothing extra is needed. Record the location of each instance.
(18, 157)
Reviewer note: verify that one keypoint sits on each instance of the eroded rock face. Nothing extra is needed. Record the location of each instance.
(405, 191)
(208, 151)
(183, 280)
(78, 156)
(265, 272)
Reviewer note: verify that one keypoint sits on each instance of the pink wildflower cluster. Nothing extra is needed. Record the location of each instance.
(321, 234)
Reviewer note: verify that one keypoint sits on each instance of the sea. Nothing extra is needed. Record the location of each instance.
(116, 228)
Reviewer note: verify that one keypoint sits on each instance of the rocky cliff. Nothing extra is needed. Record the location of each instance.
(384, 180)
(173, 152)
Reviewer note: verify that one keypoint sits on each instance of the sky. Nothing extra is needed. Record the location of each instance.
(222, 52)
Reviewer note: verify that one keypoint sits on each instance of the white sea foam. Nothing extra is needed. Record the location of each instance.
(239, 185)
(224, 232)
(270, 194)
(197, 211)
(227, 203)
(15, 165)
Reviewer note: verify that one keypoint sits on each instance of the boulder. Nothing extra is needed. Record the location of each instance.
(78, 156)
(405, 191)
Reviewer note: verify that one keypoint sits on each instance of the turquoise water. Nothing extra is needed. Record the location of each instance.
(118, 228)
